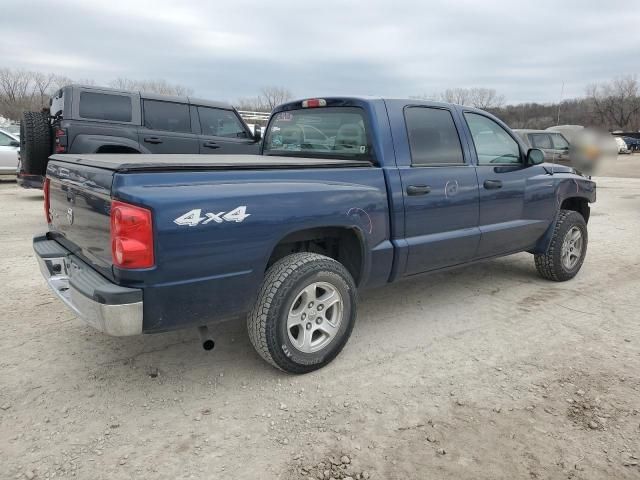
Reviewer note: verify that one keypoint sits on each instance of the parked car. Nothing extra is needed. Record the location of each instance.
(554, 145)
(85, 119)
(150, 243)
(632, 143)
(9, 145)
(622, 145)
(12, 129)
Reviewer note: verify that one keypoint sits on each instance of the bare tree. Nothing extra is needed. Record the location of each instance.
(616, 102)
(252, 104)
(42, 85)
(152, 86)
(461, 96)
(273, 96)
(485, 98)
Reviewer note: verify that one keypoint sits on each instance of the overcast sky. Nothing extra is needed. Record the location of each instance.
(225, 49)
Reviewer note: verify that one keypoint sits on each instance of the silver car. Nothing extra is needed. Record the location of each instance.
(9, 145)
(554, 144)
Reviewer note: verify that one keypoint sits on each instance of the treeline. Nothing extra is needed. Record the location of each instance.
(25, 90)
(613, 105)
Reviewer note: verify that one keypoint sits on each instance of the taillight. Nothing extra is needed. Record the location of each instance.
(47, 201)
(131, 236)
(60, 140)
(314, 103)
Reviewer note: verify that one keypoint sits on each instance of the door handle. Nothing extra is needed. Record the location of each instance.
(152, 140)
(418, 189)
(210, 145)
(492, 184)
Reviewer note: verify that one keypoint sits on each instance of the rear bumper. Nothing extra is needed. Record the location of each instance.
(107, 307)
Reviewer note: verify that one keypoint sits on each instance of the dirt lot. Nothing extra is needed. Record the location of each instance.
(483, 372)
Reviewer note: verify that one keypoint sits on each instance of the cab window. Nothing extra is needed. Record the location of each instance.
(492, 143)
(220, 123)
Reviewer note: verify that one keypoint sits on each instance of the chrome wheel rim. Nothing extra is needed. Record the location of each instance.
(314, 317)
(572, 248)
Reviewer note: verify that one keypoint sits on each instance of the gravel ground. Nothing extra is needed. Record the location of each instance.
(483, 372)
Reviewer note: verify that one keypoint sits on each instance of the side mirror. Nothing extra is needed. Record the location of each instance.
(535, 156)
(13, 143)
(257, 133)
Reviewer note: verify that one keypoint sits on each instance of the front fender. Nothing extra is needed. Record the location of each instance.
(566, 188)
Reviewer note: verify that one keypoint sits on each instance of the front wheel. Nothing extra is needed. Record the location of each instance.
(304, 313)
(568, 247)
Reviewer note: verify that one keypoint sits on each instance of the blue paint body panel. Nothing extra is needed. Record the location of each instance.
(210, 272)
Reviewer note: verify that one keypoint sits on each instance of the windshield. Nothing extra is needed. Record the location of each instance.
(335, 132)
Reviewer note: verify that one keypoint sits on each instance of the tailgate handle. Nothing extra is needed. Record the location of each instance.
(210, 145)
(152, 139)
(418, 189)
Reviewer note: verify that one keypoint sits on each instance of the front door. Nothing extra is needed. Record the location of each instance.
(167, 128)
(223, 132)
(440, 191)
(503, 179)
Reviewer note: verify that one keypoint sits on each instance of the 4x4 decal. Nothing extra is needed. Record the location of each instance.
(195, 217)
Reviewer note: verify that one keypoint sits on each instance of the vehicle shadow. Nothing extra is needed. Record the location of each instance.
(423, 298)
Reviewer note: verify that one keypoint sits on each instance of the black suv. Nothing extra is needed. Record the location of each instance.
(85, 119)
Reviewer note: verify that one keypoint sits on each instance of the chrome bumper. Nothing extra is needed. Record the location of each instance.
(107, 307)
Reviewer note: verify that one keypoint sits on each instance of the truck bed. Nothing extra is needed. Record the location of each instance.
(136, 162)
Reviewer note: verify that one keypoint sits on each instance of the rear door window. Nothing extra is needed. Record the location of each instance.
(541, 140)
(433, 137)
(5, 140)
(168, 116)
(559, 142)
(220, 123)
(328, 132)
(105, 106)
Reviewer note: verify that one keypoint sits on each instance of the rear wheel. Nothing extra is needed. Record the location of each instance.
(568, 247)
(35, 142)
(304, 313)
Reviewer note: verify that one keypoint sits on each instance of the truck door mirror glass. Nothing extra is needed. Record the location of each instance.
(257, 133)
(535, 156)
(14, 143)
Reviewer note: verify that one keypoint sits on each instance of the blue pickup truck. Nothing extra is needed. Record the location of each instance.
(348, 193)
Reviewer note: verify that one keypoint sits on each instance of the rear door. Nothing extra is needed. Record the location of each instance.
(167, 128)
(440, 188)
(222, 132)
(505, 182)
(560, 148)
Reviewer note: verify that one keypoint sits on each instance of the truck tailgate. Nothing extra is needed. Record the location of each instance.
(79, 206)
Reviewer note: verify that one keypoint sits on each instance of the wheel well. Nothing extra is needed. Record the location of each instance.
(577, 204)
(341, 244)
(116, 149)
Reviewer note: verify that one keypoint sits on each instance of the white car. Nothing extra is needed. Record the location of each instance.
(9, 146)
(622, 145)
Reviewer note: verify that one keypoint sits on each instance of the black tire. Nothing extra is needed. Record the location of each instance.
(283, 284)
(550, 264)
(35, 142)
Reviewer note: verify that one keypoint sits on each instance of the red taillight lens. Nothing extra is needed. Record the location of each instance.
(60, 140)
(47, 201)
(131, 236)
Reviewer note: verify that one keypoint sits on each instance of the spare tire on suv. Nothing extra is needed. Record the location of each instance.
(35, 142)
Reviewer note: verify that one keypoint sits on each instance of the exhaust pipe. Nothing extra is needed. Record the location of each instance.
(205, 339)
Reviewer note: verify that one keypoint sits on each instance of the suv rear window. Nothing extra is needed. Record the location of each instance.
(172, 117)
(104, 106)
(329, 132)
